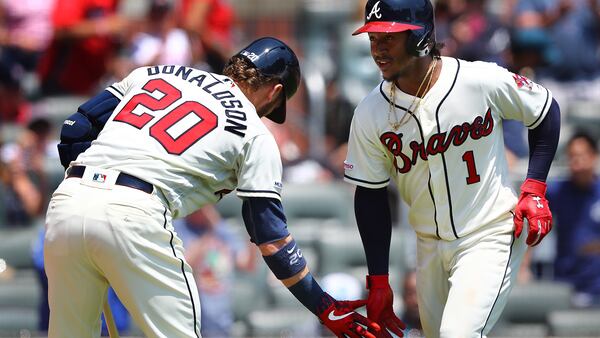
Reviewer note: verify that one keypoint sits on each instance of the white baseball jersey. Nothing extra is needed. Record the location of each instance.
(448, 158)
(190, 133)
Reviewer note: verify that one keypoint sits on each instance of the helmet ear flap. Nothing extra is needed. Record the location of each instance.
(420, 44)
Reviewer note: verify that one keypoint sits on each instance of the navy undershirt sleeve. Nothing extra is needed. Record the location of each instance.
(372, 211)
(543, 141)
(264, 219)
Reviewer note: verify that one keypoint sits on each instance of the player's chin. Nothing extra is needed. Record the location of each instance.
(389, 76)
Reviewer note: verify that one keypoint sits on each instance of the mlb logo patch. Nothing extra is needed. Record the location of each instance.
(100, 178)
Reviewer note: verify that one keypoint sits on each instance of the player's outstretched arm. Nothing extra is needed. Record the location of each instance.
(265, 223)
(374, 224)
(532, 204)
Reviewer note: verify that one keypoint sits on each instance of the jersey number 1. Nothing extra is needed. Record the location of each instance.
(469, 159)
(159, 130)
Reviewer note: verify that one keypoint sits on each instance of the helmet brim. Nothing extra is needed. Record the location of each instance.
(385, 27)
(278, 114)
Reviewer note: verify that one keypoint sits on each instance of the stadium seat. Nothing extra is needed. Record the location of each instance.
(19, 299)
(341, 250)
(583, 114)
(230, 207)
(245, 290)
(519, 330)
(15, 246)
(575, 323)
(323, 201)
(281, 322)
(532, 302)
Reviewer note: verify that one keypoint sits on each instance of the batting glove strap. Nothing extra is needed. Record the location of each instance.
(532, 186)
(378, 282)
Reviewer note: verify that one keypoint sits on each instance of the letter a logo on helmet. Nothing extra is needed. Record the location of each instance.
(375, 11)
(394, 16)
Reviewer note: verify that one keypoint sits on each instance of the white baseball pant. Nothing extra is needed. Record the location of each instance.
(123, 237)
(463, 285)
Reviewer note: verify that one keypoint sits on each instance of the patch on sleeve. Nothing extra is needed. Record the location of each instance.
(522, 81)
(348, 165)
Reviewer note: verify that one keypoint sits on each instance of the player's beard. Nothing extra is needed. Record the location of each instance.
(403, 71)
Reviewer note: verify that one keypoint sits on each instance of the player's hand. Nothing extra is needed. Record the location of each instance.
(379, 306)
(533, 205)
(340, 318)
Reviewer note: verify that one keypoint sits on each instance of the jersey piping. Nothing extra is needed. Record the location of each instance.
(187, 283)
(437, 230)
(116, 91)
(543, 109)
(501, 283)
(259, 191)
(364, 181)
(437, 119)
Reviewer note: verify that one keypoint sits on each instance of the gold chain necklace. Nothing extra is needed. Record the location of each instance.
(392, 111)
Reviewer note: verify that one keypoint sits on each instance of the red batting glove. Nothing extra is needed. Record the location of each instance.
(533, 205)
(379, 306)
(340, 318)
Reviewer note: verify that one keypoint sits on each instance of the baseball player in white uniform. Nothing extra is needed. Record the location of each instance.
(434, 127)
(158, 145)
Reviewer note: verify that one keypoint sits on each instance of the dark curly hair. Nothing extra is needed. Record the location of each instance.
(243, 72)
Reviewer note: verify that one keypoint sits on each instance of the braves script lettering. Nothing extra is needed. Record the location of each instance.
(438, 143)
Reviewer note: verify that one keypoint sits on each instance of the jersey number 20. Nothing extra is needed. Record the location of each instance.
(159, 129)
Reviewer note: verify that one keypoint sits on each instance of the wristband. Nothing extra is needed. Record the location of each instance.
(378, 282)
(286, 262)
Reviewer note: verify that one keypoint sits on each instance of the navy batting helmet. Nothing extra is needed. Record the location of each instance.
(392, 16)
(274, 58)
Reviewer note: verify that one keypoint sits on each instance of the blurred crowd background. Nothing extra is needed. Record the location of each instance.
(54, 54)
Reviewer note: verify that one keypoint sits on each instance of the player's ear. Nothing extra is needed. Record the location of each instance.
(275, 92)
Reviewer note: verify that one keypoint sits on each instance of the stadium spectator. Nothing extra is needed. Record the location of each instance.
(85, 38)
(25, 32)
(576, 206)
(572, 27)
(210, 24)
(161, 42)
(215, 252)
(23, 175)
(471, 32)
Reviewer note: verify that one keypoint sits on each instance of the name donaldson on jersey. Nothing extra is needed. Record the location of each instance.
(438, 143)
(235, 118)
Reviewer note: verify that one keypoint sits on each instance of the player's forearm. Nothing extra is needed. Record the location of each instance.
(373, 218)
(543, 142)
(285, 260)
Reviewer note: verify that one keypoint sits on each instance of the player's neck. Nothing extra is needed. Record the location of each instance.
(421, 77)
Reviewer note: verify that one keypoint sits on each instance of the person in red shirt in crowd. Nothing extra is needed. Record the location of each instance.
(210, 24)
(84, 39)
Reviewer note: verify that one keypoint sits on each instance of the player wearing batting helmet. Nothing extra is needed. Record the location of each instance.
(434, 127)
(158, 145)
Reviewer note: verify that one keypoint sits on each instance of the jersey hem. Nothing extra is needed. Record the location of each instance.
(115, 92)
(258, 193)
(366, 184)
(545, 110)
